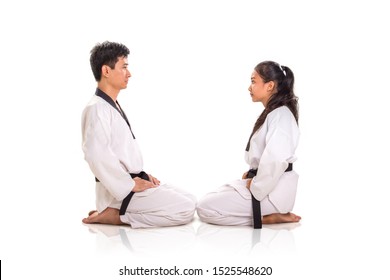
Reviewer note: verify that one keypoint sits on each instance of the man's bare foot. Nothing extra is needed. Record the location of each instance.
(92, 212)
(109, 216)
(281, 218)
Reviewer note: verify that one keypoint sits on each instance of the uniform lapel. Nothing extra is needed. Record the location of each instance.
(109, 100)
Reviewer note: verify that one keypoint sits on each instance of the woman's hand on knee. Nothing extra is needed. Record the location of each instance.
(248, 183)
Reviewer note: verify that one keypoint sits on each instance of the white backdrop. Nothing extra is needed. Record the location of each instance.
(190, 109)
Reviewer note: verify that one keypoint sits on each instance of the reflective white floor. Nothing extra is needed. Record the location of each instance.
(313, 248)
(194, 238)
(294, 251)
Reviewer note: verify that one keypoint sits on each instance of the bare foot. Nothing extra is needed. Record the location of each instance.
(277, 218)
(91, 212)
(109, 216)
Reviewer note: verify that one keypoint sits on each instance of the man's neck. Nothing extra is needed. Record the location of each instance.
(113, 93)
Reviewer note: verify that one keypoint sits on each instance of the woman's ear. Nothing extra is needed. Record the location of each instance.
(271, 86)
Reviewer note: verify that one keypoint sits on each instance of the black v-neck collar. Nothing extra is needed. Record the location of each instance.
(105, 96)
(109, 100)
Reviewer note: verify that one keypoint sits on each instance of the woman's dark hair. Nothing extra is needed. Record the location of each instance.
(106, 53)
(284, 95)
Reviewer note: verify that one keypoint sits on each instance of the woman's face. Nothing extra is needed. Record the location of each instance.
(260, 91)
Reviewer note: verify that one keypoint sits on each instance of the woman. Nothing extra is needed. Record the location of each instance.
(270, 153)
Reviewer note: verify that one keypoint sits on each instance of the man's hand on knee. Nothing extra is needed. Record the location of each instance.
(141, 185)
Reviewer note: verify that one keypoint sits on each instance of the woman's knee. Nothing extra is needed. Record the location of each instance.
(207, 207)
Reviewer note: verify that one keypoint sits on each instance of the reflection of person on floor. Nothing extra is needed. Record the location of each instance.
(125, 194)
(275, 237)
(270, 153)
(144, 241)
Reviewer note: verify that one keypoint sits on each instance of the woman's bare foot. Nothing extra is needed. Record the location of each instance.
(109, 216)
(277, 218)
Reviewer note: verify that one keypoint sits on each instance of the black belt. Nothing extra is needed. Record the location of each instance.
(126, 200)
(255, 203)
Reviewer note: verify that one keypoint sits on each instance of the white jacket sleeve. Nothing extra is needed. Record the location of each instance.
(102, 161)
(278, 152)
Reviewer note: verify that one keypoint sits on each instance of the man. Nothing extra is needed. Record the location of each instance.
(125, 194)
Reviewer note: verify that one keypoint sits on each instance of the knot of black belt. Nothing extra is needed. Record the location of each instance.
(126, 200)
(257, 223)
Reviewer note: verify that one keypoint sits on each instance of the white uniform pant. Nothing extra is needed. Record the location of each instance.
(159, 207)
(227, 206)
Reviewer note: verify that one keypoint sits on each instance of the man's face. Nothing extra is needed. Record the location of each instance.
(119, 76)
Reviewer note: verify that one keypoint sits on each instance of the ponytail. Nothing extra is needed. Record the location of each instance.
(284, 96)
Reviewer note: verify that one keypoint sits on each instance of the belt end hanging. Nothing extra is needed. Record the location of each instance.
(257, 223)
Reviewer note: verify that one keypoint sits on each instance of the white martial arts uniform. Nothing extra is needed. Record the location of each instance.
(272, 148)
(112, 152)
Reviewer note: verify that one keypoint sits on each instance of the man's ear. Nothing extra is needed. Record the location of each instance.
(105, 70)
